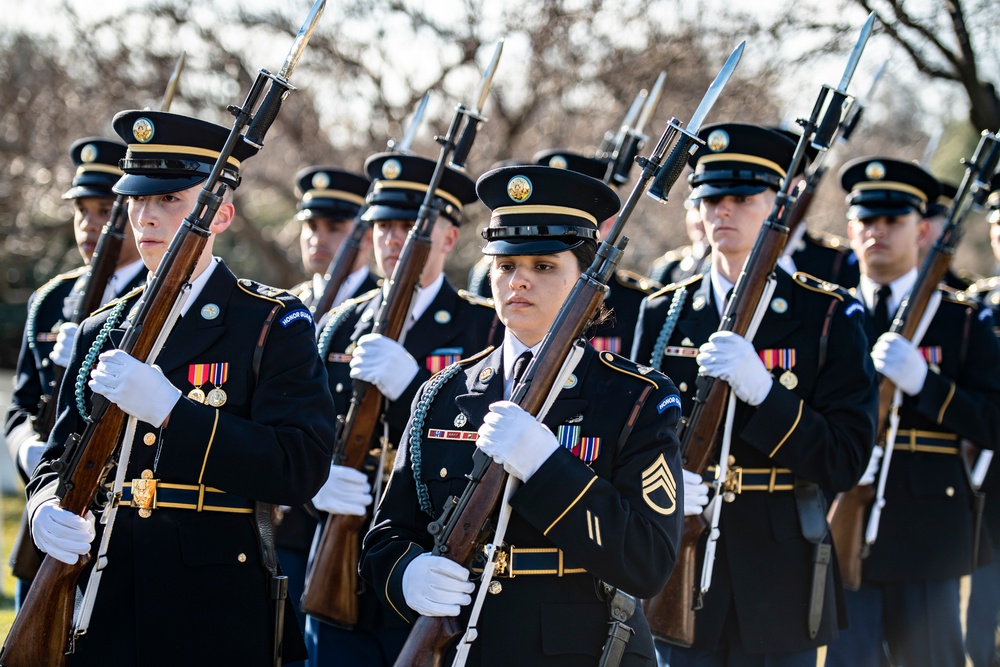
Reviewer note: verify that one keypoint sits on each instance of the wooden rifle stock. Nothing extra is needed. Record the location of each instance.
(331, 591)
(41, 630)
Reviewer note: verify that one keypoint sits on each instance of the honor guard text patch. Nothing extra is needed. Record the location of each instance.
(295, 315)
(673, 400)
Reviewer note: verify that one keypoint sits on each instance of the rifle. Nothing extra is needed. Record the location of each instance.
(631, 139)
(846, 516)
(816, 171)
(347, 254)
(671, 613)
(464, 524)
(41, 632)
(102, 267)
(332, 583)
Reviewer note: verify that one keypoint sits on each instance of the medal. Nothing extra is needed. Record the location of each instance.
(219, 373)
(788, 380)
(197, 375)
(216, 398)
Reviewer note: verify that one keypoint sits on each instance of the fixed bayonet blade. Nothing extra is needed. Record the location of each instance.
(175, 77)
(487, 82)
(301, 39)
(859, 48)
(875, 79)
(713, 92)
(651, 101)
(411, 131)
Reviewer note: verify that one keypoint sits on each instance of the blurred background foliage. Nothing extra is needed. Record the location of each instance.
(569, 71)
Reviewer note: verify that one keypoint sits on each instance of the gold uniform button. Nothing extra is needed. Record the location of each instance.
(950, 491)
(149, 439)
(444, 472)
(242, 558)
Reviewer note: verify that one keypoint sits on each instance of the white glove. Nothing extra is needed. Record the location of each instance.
(346, 491)
(436, 586)
(732, 358)
(141, 391)
(384, 363)
(515, 439)
(64, 344)
(899, 360)
(60, 533)
(695, 493)
(25, 447)
(868, 477)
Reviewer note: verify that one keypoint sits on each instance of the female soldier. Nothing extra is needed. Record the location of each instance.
(598, 500)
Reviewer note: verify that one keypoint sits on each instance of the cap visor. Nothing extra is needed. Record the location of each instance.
(723, 189)
(859, 212)
(138, 185)
(530, 246)
(81, 191)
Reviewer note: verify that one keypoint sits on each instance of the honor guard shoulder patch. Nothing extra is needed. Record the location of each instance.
(635, 281)
(627, 366)
(659, 488)
(672, 287)
(475, 299)
(852, 308)
(814, 284)
(671, 401)
(299, 314)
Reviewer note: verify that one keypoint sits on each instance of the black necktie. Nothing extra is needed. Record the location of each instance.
(520, 365)
(880, 310)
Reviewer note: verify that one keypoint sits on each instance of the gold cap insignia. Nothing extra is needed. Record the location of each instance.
(486, 375)
(875, 171)
(321, 180)
(718, 140)
(519, 189)
(558, 162)
(88, 153)
(142, 130)
(391, 169)
(659, 489)
(779, 305)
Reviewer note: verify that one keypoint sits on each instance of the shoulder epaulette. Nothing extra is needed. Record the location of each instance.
(828, 240)
(822, 286)
(475, 299)
(666, 289)
(949, 293)
(115, 302)
(635, 281)
(984, 285)
(349, 304)
(628, 367)
(55, 280)
(300, 288)
(262, 291)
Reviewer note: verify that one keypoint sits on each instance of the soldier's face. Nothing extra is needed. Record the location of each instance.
(529, 290)
(389, 236)
(732, 222)
(887, 245)
(90, 215)
(319, 241)
(155, 219)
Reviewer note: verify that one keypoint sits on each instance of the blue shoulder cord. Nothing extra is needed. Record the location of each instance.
(673, 314)
(417, 428)
(91, 359)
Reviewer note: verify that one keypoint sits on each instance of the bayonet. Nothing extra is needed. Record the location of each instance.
(713, 92)
(651, 101)
(475, 115)
(859, 48)
(406, 142)
(175, 77)
(301, 39)
(487, 82)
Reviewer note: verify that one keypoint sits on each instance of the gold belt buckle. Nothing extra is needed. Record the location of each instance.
(733, 484)
(144, 494)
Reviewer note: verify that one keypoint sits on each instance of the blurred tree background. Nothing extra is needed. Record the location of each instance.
(569, 71)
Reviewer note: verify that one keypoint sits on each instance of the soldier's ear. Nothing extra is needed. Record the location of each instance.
(223, 217)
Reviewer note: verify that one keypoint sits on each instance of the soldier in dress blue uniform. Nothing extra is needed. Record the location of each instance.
(49, 330)
(690, 260)
(235, 413)
(626, 290)
(329, 200)
(950, 384)
(804, 422)
(444, 326)
(984, 599)
(936, 215)
(598, 496)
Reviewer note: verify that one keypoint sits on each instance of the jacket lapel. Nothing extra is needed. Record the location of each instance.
(703, 315)
(195, 333)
